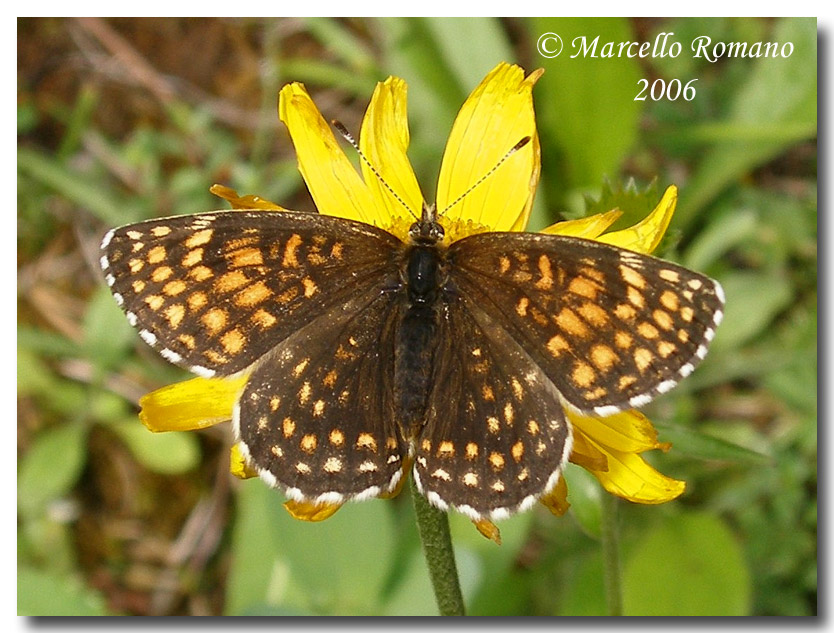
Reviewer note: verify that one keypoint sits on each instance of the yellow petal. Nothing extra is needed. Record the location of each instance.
(496, 116)
(629, 476)
(590, 228)
(557, 499)
(586, 454)
(489, 530)
(406, 469)
(190, 405)
(243, 202)
(384, 141)
(629, 431)
(336, 187)
(238, 466)
(644, 236)
(307, 511)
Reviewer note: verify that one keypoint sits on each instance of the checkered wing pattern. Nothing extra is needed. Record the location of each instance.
(609, 327)
(214, 292)
(495, 437)
(317, 416)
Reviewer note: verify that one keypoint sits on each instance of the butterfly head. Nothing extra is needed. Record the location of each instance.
(427, 229)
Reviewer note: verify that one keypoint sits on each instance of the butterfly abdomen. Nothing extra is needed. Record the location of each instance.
(416, 335)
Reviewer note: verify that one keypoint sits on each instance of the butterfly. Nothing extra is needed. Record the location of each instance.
(368, 355)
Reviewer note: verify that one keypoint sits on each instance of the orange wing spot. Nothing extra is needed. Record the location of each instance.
(175, 315)
(135, 265)
(492, 424)
(583, 287)
(156, 255)
(695, 284)
(647, 330)
(470, 479)
(161, 274)
(496, 460)
(310, 287)
(596, 394)
(636, 297)
(623, 339)
(187, 340)
(304, 393)
(391, 443)
(683, 335)
(215, 320)
(160, 231)
(521, 306)
(337, 438)
(446, 449)
(663, 319)
(216, 357)
(503, 264)
(670, 275)
(299, 369)
(425, 445)
(626, 381)
(603, 357)
(138, 286)
(264, 319)
(687, 294)
(274, 403)
(175, 287)
(533, 427)
(192, 257)
(557, 345)
(666, 349)
(643, 358)
(290, 259)
(134, 235)
(670, 300)
(330, 379)
(155, 302)
(487, 393)
(522, 276)
(545, 282)
(498, 486)
(594, 273)
(200, 273)
(509, 413)
(366, 440)
(288, 295)
(517, 451)
(593, 314)
(471, 450)
(518, 390)
(309, 443)
(233, 341)
(538, 316)
(583, 374)
(687, 313)
(199, 238)
(231, 280)
(632, 277)
(137, 246)
(571, 323)
(253, 295)
(288, 427)
(332, 465)
(625, 312)
(318, 408)
(197, 300)
(523, 475)
(315, 258)
(246, 257)
(336, 250)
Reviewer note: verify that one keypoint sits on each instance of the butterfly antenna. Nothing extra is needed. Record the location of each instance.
(512, 151)
(349, 138)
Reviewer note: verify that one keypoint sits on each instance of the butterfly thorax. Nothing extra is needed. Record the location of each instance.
(423, 275)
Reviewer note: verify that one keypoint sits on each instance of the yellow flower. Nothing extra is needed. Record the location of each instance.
(493, 119)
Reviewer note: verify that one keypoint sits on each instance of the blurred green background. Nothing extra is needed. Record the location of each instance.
(125, 119)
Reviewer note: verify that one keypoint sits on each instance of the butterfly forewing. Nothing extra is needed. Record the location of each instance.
(317, 417)
(495, 437)
(214, 292)
(611, 328)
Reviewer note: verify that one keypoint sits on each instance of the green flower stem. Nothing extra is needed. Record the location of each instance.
(611, 555)
(433, 525)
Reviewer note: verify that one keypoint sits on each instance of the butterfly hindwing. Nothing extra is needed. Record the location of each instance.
(214, 292)
(495, 437)
(611, 328)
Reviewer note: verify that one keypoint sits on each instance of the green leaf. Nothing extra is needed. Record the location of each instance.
(779, 95)
(51, 466)
(164, 453)
(41, 593)
(689, 565)
(586, 109)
